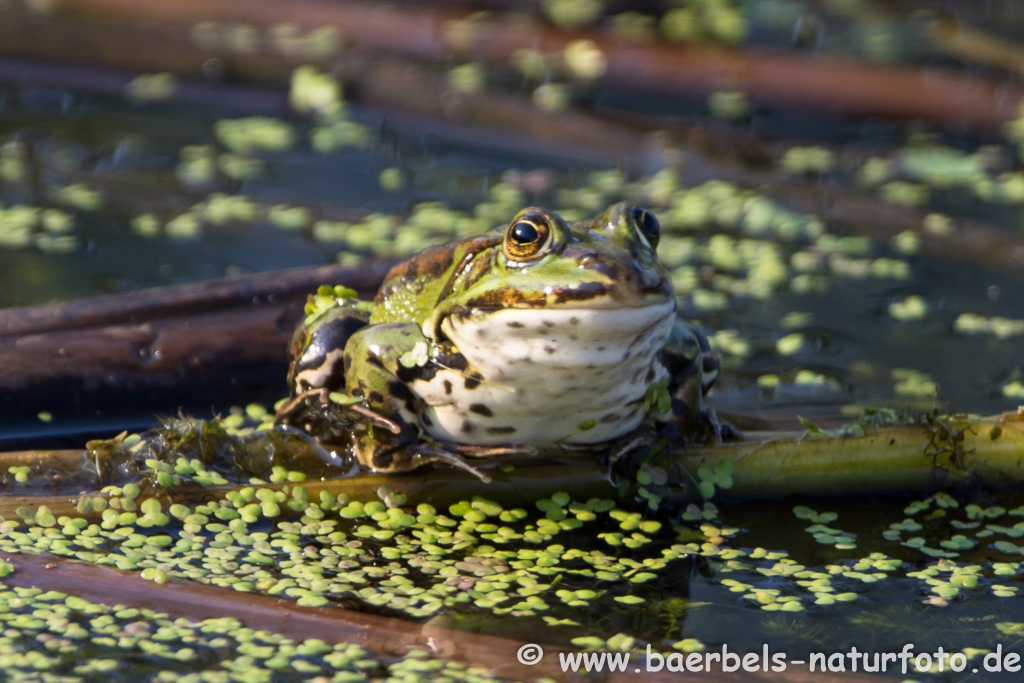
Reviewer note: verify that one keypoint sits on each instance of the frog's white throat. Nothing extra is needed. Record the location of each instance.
(549, 375)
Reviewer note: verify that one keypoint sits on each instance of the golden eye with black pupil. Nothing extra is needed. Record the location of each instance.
(647, 224)
(527, 237)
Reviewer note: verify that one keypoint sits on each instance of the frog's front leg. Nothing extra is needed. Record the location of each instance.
(315, 360)
(373, 362)
(380, 363)
(693, 368)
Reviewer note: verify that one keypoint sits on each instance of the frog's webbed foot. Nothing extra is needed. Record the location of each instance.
(634, 442)
(295, 405)
(714, 431)
(293, 408)
(424, 451)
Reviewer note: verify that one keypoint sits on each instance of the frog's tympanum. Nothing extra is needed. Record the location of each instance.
(535, 337)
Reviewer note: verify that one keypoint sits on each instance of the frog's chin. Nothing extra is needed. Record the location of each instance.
(497, 342)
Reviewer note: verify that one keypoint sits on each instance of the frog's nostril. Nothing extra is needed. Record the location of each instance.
(587, 257)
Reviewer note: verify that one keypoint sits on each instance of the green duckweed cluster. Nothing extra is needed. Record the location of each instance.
(916, 174)
(151, 87)
(555, 563)
(49, 230)
(53, 636)
(287, 39)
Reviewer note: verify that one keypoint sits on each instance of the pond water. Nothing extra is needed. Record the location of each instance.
(100, 195)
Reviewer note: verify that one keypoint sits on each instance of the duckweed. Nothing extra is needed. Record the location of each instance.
(44, 636)
(151, 87)
(911, 308)
(913, 383)
(254, 134)
(316, 93)
(551, 97)
(392, 179)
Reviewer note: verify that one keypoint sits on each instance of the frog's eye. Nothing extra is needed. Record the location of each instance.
(528, 237)
(648, 225)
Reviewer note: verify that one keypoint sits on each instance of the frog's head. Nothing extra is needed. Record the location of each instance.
(557, 291)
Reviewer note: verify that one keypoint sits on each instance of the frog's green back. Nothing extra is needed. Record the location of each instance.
(412, 289)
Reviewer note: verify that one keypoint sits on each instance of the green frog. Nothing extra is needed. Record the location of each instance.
(535, 337)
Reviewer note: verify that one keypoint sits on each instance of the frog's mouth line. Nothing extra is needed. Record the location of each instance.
(622, 322)
(596, 293)
(475, 310)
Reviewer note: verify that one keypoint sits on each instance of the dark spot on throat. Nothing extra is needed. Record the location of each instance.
(515, 324)
(481, 409)
(468, 427)
(455, 361)
(448, 387)
(472, 382)
(501, 430)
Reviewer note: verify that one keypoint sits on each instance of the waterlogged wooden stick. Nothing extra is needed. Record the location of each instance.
(935, 455)
(939, 453)
(974, 45)
(789, 79)
(100, 352)
(191, 298)
(381, 635)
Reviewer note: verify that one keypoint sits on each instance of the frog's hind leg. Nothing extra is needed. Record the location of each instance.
(694, 368)
(318, 350)
(424, 452)
(316, 354)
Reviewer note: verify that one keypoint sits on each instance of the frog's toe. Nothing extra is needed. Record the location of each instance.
(730, 433)
(635, 442)
(294, 406)
(714, 430)
(424, 452)
(370, 416)
(496, 451)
